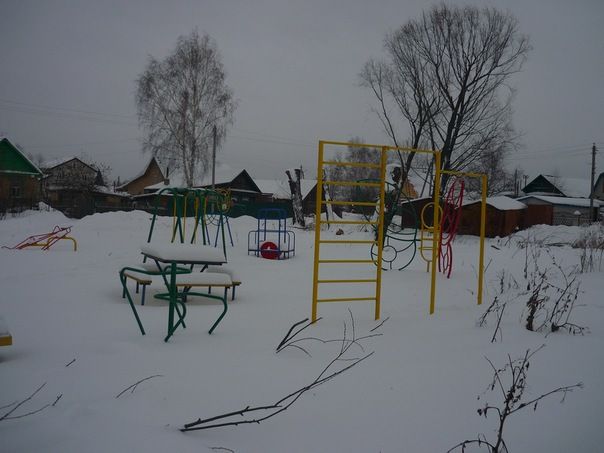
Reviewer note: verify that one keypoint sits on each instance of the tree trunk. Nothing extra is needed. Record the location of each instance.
(294, 187)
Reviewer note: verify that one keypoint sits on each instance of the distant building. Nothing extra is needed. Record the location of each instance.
(19, 179)
(77, 189)
(69, 172)
(504, 216)
(599, 187)
(558, 186)
(152, 174)
(565, 210)
(245, 194)
(280, 192)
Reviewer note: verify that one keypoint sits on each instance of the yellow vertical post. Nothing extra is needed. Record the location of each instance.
(483, 217)
(436, 233)
(315, 282)
(380, 226)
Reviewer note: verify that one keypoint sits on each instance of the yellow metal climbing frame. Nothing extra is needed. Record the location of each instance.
(319, 261)
(427, 234)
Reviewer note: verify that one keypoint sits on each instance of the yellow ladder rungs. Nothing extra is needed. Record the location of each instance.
(346, 241)
(365, 280)
(351, 183)
(350, 222)
(351, 203)
(346, 299)
(350, 164)
(347, 261)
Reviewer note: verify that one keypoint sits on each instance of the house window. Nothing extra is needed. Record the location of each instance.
(15, 192)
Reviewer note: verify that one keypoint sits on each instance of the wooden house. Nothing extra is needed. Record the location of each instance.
(410, 212)
(77, 189)
(598, 189)
(504, 216)
(565, 210)
(558, 186)
(279, 192)
(19, 179)
(152, 174)
(69, 172)
(246, 197)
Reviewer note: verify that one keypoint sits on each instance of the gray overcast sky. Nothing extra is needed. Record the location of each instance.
(68, 76)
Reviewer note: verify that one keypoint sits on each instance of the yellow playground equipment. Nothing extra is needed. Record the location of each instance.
(378, 222)
(46, 240)
(430, 237)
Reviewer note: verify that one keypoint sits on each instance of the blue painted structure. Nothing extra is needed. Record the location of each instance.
(272, 227)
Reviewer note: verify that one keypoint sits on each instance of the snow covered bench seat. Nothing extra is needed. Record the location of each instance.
(205, 280)
(230, 272)
(5, 337)
(141, 275)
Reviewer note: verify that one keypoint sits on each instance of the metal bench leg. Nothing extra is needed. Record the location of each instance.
(125, 288)
(143, 295)
(224, 303)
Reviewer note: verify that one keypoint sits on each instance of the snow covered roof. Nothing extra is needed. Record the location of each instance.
(4, 137)
(280, 188)
(56, 162)
(224, 174)
(142, 173)
(570, 187)
(574, 187)
(567, 201)
(502, 203)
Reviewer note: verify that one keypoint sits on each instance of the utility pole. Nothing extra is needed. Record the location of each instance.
(214, 157)
(591, 187)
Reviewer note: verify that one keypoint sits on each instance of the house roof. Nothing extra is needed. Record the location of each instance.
(142, 173)
(20, 164)
(559, 185)
(501, 203)
(63, 160)
(224, 174)
(575, 187)
(280, 188)
(565, 201)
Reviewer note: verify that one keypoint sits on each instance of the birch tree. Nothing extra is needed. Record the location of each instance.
(181, 100)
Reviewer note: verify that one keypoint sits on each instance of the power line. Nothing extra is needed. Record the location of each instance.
(69, 145)
(48, 107)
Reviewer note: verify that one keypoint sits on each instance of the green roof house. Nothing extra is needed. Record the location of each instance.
(19, 179)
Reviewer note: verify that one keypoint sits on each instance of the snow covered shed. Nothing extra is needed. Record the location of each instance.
(566, 210)
(504, 216)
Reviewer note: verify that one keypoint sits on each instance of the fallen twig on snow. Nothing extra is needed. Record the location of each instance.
(132, 387)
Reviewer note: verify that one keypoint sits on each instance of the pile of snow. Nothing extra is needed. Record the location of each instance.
(418, 392)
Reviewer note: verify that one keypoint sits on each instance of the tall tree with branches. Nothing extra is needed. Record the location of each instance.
(446, 76)
(184, 104)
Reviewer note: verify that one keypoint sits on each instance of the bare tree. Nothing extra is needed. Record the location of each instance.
(446, 74)
(345, 357)
(181, 99)
(491, 163)
(510, 384)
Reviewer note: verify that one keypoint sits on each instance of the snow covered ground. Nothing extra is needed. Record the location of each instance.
(416, 393)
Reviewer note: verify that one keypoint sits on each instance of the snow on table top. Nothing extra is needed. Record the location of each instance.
(184, 253)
